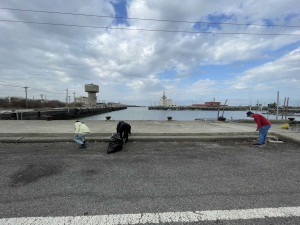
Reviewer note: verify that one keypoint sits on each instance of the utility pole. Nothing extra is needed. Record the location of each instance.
(26, 97)
(67, 98)
(283, 108)
(74, 100)
(287, 107)
(277, 105)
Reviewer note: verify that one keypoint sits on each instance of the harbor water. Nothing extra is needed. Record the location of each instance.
(142, 113)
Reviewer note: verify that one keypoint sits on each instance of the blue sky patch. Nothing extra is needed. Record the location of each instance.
(268, 22)
(218, 18)
(223, 72)
(281, 51)
(167, 74)
(290, 16)
(121, 11)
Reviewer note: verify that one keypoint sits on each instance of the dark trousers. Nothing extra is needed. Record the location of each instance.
(124, 135)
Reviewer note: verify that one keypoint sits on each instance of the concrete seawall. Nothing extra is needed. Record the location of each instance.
(55, 114)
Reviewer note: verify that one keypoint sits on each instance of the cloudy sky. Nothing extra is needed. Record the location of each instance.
(241, 50)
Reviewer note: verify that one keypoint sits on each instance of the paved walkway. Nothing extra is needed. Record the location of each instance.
(62, 130)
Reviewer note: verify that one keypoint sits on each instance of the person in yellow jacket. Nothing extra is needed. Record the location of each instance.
(81, 131)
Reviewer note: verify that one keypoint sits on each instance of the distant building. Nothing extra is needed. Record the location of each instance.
(165, 102)
(209, 104)
(212, 104)
(114, 104)
(169, 102)
(92, 90)
(101, 105)
(82, 100)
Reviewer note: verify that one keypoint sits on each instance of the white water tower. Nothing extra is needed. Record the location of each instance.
(92, 89)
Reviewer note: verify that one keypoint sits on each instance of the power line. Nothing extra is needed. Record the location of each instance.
(11, 85)
(30, 88)
(45, 91)
(142, 29)
(146, 19)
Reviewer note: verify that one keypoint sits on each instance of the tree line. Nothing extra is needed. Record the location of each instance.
(20, 103)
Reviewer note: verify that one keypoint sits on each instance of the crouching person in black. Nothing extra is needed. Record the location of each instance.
(124, 129)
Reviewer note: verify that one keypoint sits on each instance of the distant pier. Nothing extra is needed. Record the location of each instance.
(289, 111)
(228, 108)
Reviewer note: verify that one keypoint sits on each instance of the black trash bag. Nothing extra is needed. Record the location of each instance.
(115, 144)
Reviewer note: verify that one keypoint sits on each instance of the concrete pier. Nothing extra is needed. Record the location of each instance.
(63, 131)
(56, 114)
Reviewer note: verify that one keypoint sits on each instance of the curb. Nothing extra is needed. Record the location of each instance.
(131, 139)
(287, 137)
(96, 135)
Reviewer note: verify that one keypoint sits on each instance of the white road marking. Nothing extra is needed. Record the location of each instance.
(158, 218)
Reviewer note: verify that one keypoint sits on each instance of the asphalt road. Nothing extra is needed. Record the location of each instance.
(59, 179)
